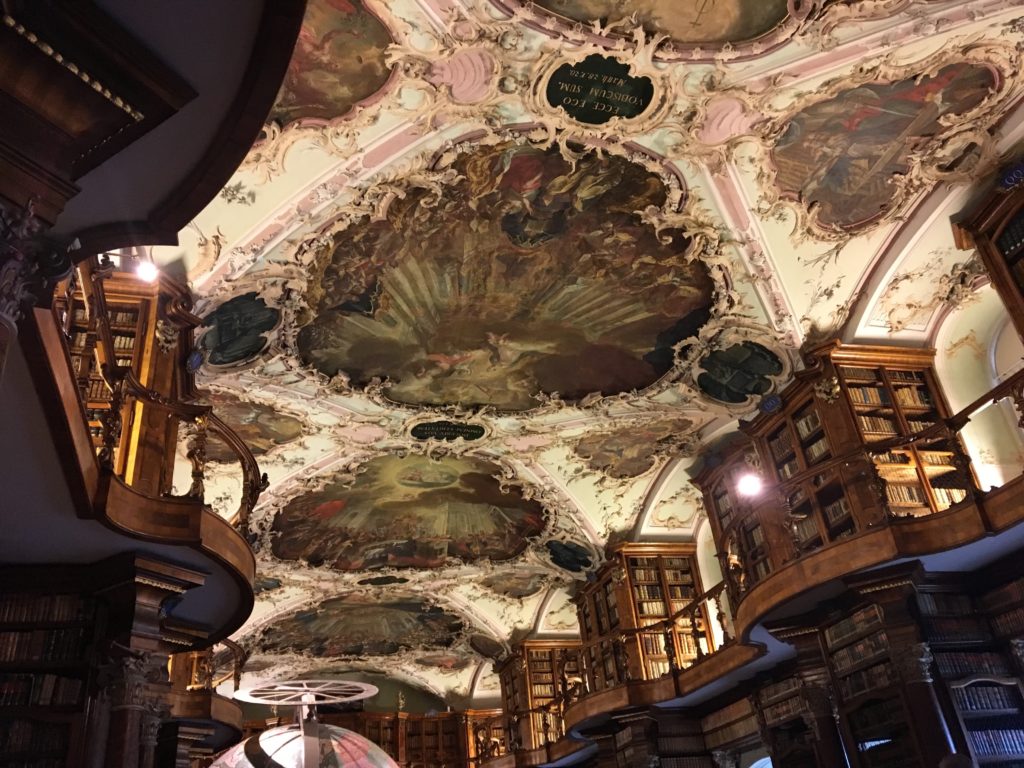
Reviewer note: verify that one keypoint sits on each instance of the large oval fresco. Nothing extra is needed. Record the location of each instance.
(356, 626)
(261, 427)
(700, 21)
(410, 512)
(528, 275)
(338, 61)
(840, 155)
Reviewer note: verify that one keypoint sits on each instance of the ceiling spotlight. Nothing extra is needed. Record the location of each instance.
(147, 271)
(749, 485)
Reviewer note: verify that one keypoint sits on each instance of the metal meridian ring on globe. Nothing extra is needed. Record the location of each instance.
(296, 693)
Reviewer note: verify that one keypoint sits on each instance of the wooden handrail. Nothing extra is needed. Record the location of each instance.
(122, 380)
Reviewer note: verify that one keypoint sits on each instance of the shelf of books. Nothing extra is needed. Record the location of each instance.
(782, 708)
(661, 586)
(994, 228)
(47, 644)
(600, 628)
(680, 743)
(867, 687)
(548, 669)
(889, 403)
(972, 661)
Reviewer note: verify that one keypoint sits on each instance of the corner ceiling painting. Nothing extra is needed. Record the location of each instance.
(472, 340)
(262, 427)
(411, 512)
(699, 21)
(634, 449)
(357, 626)
(530, 275)
(840, 155)
(338, 61)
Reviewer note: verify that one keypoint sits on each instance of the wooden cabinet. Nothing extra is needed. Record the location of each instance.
(995, 227)
(632, 617)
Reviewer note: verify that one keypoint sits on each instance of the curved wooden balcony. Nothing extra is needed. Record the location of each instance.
(193, 697)
(119, 454)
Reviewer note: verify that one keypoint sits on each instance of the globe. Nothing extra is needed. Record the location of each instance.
(282, 748)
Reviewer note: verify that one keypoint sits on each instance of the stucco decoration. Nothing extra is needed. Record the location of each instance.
(916, 292)
(521, 280)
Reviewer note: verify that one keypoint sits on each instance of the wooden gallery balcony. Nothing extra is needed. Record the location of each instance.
(861, 465)
(110, 359)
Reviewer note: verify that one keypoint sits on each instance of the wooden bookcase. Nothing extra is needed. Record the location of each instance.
(866, 402)
(531, 679)
(642, 586)
(131, 308)
(868, 690)
(48, 659)
(782, 709)
(900, 399)
(995, 228)
(970, 638)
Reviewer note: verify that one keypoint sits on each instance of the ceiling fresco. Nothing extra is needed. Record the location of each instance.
(473, 339)
(408, 512)
(351, 626)
(840, 155)
(532, 274)
(702, 21)
(338, 61)
(262, 427)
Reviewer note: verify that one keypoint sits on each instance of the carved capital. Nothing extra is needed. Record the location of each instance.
(724, 759)
(131, 680)
(913, 662)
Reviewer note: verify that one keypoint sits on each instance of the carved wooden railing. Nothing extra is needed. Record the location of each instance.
(126, 390)
(208, 669)
(859, 463)
(547, 722)
(488, 745)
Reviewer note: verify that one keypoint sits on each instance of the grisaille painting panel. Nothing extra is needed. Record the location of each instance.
(840, 155)
(338, 61)
(529, 275)
(698, 21)
(358, 626)
(410, 512)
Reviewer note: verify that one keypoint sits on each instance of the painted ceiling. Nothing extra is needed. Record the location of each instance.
(472, 338)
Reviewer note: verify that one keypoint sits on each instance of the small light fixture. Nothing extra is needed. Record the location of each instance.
(147, 271)
(749, 485)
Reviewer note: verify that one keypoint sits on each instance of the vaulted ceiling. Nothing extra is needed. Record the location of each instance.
(474, 328)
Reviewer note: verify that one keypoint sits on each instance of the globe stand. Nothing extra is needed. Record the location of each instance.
(306, 696)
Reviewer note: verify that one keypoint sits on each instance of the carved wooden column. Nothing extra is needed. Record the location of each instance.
(137, 708)
(913, 663)
(27, 267)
